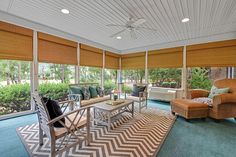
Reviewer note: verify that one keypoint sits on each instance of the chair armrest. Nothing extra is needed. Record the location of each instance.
(65, 104)
(80, 112)
(196, 93)
(224, 98)
(74, 97)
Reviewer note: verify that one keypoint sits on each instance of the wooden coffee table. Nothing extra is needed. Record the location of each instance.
(103, 113)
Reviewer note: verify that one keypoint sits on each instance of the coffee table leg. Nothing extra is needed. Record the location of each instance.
(109, 121)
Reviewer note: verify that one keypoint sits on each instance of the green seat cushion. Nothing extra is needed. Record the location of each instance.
(76, 90)
(93, 92)
(216, 91)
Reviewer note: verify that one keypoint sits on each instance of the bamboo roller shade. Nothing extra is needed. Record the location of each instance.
(133, 61)
(91, 56)
(166, 58)
(214, 54)
(52, 49)
(16, 43)
(112, 60)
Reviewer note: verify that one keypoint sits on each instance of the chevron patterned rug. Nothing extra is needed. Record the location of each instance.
(141, 136)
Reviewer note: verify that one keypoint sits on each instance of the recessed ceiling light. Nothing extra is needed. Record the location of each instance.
(118, 37)
(185, 20)
(65, 11)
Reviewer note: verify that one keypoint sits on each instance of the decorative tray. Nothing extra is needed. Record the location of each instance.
(113, 103)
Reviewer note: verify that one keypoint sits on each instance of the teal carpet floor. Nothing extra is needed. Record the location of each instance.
(186, 139)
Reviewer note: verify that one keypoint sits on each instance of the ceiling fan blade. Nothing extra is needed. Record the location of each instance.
(115, 25)
(151, 29)
(138, 22)
(133, 34)
(113, 35)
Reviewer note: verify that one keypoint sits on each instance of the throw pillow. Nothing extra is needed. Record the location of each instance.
(54, 111)
(204, 100)
(216, 91)
(76, 90)
(100, 91)
(93, 92)
(86, 93)
(137, 89)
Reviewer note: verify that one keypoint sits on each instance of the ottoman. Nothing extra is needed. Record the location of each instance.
(189, 109)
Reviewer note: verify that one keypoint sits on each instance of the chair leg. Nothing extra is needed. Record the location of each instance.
(139, 106)
(53, 148)
(40, 136)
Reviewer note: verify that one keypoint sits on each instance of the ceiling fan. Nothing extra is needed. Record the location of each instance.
(132, 25)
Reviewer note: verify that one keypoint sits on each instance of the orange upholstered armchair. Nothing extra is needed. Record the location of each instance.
(224, 105)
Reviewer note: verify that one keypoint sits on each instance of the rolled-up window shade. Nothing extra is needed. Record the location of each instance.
(133, 61)
(112, 60)
(52, 49)
(166, 58)
(90, 56)
(16, 43)
(214, 54)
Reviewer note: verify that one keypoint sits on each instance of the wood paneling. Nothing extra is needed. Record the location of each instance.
(16, 43)
(52, 49)
(90, 56)
(112, 60)
(133, 61)
(214, 54)
(166, 58)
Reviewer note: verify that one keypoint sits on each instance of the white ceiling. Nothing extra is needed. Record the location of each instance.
(88, 19)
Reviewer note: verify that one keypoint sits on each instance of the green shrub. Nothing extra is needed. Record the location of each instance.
(165, 84)
(199, 79)
(109, 86)
(14, 98)
(56, 91)
(173, 84)
(126, 89)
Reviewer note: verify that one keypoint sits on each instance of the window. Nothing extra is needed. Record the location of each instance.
(165, 77)
(132, 76)
(110, 80)
(90, 74)
(54, 80)
(56, 73)
(14, 86)
(203, 78)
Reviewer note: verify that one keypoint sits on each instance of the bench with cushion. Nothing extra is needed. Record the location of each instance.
(87, 94)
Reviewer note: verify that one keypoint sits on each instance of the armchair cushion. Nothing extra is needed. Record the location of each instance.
(204, 100)
(54, 110)
(137, 89)
(216, 91)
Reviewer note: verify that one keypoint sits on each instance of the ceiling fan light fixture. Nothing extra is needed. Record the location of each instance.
(118, 37)
(65, 11)
(185, 20)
